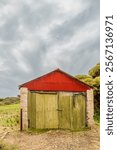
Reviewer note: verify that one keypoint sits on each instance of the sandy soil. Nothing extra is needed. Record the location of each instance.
(53, 140)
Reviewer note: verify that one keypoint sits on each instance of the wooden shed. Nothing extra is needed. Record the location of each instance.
(56, 100)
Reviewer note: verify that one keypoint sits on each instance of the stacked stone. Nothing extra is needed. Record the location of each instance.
(90, 107)
(23, 107)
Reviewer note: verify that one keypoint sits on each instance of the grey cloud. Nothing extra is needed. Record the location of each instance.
(80, 58)
(44, 13)
(29, 18)
(69, 27)
(10, 30)
(32, 18)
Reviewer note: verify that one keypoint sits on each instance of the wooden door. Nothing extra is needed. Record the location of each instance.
(46, 111)
(64, 111)
(79, 111)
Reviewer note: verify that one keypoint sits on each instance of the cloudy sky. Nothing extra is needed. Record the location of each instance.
(39, 36)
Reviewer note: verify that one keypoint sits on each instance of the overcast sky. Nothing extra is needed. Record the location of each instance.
(38, 36)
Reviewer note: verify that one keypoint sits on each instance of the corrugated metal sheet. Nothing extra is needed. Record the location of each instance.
(56, 80)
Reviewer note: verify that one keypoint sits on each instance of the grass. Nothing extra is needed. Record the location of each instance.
(97, 118)
(4, 146)
(39, 131)
(36, 131)
(9, 115)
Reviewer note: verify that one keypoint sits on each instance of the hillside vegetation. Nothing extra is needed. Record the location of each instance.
(9, 100)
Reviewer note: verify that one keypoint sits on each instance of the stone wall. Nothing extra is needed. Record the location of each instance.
(90, 107)
(23, 106)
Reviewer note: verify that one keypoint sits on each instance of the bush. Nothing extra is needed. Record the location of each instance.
(9, 100)
(97, 117)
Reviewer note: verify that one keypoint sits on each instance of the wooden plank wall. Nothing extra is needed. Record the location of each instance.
(63, 110)
(79, 112)
(46, 113)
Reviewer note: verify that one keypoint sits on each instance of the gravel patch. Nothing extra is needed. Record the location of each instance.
(56, 140)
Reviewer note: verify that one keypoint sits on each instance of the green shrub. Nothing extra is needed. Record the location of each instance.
(97, 117)
(9, 100)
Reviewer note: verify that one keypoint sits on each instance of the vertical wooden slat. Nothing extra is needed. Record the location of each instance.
(46, 111)
(79, 114)
(40, 111)
(64, 111)
(32, 110)
(51, 114)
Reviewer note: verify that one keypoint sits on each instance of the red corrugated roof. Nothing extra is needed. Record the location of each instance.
(56, 80)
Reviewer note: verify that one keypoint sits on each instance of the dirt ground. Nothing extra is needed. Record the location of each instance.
(52, 140)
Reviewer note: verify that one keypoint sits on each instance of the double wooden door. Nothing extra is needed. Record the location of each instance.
(63, 111)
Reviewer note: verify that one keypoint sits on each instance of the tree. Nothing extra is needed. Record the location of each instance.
(95, 71)
(93, 79)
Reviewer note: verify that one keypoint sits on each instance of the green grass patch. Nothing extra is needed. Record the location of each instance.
(39, 131)
(9, 115)
(82, 129)
(97, 118)
(4, 146)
